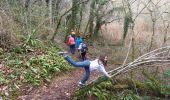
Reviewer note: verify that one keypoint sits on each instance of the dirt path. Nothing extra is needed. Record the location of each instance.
(62, 87)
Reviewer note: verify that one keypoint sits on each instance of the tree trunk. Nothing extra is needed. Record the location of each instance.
(72, 23)
(56, 10)
(166, 32)
(27, 4)
(50, 12)
(74, 14)
(81, 14)
(91, 17)
(153, 34)
(127, 19)
(97, 27)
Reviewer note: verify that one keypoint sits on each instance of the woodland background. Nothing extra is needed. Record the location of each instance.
(32, 31)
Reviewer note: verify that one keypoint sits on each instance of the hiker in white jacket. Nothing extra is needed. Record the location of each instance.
(97, 64)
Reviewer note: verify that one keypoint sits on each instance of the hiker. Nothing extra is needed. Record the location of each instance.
(97, 64)
(73, 33)
(71, 43)
(78, 41)
(83, 50)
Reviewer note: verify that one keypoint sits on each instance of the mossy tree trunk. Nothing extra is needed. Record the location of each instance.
(97, 15)
(72, 22)
(166, 32)
(133, 49)
(91, 17)
(127, 19)
(74, 14)
(50, 12)
(27, 4)
(97, 27)
(82, 7)
(153, 31)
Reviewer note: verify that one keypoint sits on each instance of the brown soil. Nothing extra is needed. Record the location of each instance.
(62, 87)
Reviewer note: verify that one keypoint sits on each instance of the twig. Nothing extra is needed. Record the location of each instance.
(148, 58)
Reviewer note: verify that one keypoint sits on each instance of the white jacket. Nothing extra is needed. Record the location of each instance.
(98, 65)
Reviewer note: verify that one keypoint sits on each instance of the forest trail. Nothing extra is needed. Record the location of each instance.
(62, 87)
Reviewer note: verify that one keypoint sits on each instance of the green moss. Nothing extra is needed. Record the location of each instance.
(1, 51)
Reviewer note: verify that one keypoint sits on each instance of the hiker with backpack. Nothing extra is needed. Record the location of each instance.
(97, 64)
(79, 40)
(83, 50)
(71, 43)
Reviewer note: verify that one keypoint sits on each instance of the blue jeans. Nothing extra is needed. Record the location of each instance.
(84, 64)
(72, 48)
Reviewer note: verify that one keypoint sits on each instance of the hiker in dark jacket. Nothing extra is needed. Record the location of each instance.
(83, 50)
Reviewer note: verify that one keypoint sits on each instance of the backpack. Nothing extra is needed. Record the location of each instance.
(84, 47)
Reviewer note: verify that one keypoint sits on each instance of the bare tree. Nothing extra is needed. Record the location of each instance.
(154, 17)
(50, 12)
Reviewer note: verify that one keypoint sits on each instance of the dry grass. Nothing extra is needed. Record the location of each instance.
(112, 34)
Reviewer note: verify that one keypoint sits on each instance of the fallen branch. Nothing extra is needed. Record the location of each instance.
(155, 56)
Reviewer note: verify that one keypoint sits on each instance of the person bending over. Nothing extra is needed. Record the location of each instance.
(97, 64)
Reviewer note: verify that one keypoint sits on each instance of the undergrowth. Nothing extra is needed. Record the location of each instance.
(152, 88)
(30, 63)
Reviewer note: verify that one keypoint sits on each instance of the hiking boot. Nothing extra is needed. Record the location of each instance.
(81, 84)
(63, 53)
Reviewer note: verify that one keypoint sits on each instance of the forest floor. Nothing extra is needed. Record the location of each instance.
(62, 87)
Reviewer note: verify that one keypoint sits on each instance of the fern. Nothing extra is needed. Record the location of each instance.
(167, 73)
(100, 94)
(128, 95)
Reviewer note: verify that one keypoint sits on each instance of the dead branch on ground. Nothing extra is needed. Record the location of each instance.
(160, 55)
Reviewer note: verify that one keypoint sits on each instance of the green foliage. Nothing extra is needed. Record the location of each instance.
(31, 39)
(18, 49)
(167, 73)
(33, 68)
(106, 85)
(40, 67)
(154, 85)
(152, 89)
(2, 78)
(99, 93)
(128, 95)
(30, 43)
(166, 90)
(95, 92)
(101, 2)
(147, 98)
(1, 51)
